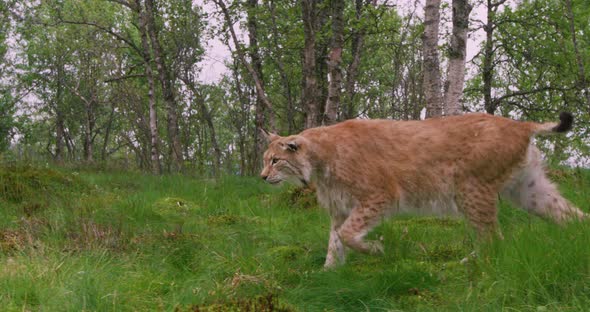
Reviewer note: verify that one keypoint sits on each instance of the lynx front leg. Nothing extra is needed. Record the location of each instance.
(361, 220)
(336, 250)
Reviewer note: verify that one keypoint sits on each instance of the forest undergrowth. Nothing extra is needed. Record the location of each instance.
(124, 241)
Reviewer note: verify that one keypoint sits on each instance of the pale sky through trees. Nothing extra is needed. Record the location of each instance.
(216, 53)
(529, 71)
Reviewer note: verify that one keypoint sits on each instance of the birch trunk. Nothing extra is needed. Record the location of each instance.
(167, 91)
(156, 166)
(457, 51)
(432, 83)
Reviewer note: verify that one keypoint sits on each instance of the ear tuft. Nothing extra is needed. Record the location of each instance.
(269, 137)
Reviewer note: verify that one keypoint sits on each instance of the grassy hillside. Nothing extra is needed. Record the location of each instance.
(73, 241)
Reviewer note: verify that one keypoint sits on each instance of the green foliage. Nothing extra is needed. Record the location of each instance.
(69, 51)
(536, 73)
(83, 64)
(4, 29)
(7, 107)
(129, 241)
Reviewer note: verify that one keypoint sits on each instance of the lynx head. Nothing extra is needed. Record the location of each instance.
(286, 159)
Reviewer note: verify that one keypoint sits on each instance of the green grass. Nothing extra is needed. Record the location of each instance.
(89, 241)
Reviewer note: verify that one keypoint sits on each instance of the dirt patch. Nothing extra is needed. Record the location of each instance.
(266, 303)
(13, 240)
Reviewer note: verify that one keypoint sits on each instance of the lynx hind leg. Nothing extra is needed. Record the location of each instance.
(531, 190)
(477, 202)
(362, 219)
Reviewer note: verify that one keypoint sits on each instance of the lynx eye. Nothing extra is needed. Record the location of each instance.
(274, 161)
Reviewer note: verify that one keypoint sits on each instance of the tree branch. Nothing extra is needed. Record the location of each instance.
(497, 101)
(124, 77)
(258, 83)
(105, 29)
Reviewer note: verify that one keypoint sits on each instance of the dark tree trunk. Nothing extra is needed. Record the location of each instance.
(488, 58)
(310, 89)
(260, 114)
(241, 125)
(89, 121)
(321, 54)
(88, 131)
(353, 68)
(59, 118)
(432, 83)
(280, 64)
(583, 84)
(59, 136)
(212, 134)
(70, 146)
(487, 74)
(107, 134)
(334, 60)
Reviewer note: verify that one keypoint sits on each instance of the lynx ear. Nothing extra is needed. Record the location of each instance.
(292, 146)
(293, 143)
(269, 137)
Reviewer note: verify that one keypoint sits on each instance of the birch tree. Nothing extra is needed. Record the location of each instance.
(453, 89)
(449, 102)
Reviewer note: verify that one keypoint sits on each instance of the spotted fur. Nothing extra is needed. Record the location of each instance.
(366, 170)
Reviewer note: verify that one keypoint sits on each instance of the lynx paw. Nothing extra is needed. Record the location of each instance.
(375, 247)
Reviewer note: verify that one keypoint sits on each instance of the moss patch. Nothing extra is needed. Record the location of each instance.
(19, 183)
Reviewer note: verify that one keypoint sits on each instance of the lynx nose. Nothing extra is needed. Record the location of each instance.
(263, 177)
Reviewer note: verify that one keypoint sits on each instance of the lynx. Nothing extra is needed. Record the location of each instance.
(366, 170)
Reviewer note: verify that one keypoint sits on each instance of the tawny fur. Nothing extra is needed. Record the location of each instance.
(365, 170)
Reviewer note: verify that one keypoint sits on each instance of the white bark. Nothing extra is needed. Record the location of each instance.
(457, 51)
